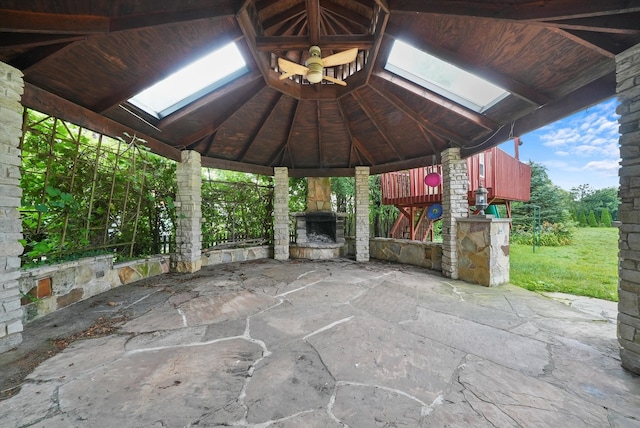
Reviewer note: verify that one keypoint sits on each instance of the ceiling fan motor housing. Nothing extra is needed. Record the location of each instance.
(314, 64)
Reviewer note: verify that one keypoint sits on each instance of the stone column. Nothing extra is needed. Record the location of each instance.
(362, 213)
(281, 214)
(189, 212)
(628, 89)
(454, 206)
(11, 89)
(483, 250)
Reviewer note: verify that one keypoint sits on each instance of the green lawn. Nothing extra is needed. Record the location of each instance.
(588, 267)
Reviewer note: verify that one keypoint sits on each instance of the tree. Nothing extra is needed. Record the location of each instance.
(591, 219)
(552, 200)
(605, 218)
(582, 219)
(586, 199)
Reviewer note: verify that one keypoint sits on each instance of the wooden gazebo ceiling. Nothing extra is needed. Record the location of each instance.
(82, 61)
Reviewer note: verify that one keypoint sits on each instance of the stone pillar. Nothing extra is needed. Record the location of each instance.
(628, 89)
(11, 89)
(189, 212)
(483, 250)
(362, 213)
(281, 214)
(454, 206)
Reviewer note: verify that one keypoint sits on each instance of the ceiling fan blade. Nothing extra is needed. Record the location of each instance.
(344, 57)
(334, 80)
(286, 75)
(291, 67)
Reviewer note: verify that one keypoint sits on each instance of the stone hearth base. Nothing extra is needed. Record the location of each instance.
(315, 251)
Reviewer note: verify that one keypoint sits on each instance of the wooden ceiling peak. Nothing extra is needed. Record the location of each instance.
(83, 61)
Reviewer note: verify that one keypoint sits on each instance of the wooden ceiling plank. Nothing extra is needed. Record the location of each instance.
(121, 95)
(583, 97)
(426, 135)
(281, 18)
(355, 18)
(319, 132)
(48, 103)
(151, 19)
(419, 120)
(270, 109)
(371, 115)
(333, 22)
(211, 97)
(313, 18)
(331, 42)
(346, 122)
(51, 23)
(470, 115)
(285, 143)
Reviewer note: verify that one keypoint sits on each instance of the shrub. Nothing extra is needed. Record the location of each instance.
(605, 218)
(550, 235)
(591, 220)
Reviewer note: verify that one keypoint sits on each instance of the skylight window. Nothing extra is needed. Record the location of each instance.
(192, 82)
(443, 78)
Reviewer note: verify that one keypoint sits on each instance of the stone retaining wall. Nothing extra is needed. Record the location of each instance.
(424, 254)
(215, 257)
(49, 288)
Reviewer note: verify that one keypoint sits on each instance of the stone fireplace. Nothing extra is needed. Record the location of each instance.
(319, 231)
(319, 227)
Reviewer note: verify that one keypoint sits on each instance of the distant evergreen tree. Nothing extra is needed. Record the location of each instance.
(605, 218)
(591, 220)
(582, 219)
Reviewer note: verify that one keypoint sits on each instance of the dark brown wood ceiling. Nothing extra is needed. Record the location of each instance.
(82, 61)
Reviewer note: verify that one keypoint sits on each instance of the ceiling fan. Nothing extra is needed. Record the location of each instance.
(314, 65)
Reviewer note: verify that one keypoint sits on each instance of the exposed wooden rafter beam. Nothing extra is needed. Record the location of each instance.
(285, 43)
(371, 115)
(419, 120)
(30, 40)
(14, 21)
(531, 10)
(351, 16)
(52, 23)
(48, 103)
(607, 52)
(313, 20)
(260, 126)
(280, 152)
(377, 29)
(616, 24)
(280, 19)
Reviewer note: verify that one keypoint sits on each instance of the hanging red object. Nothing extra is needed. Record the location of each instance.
(432, 179)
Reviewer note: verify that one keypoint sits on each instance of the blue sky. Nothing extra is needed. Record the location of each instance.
(579, 149)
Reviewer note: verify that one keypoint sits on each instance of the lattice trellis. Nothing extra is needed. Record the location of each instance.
(85, 191)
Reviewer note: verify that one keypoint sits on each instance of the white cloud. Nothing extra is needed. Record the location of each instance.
(607, 168)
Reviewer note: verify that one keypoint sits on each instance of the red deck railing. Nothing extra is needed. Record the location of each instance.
(407, 187)
(506, 178)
